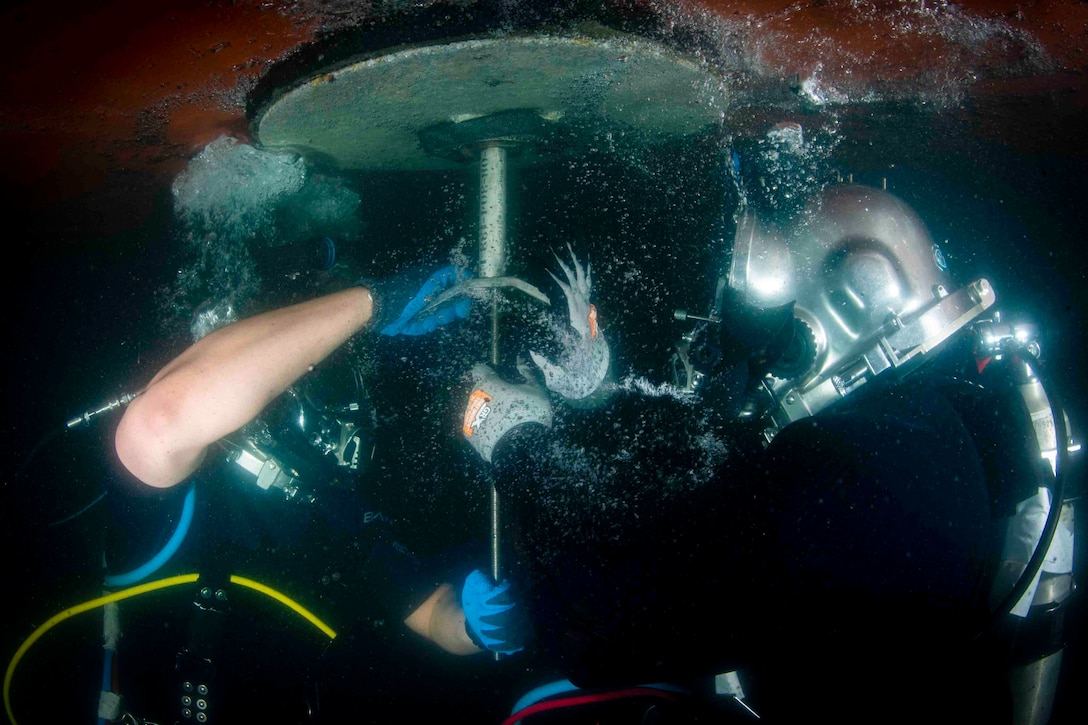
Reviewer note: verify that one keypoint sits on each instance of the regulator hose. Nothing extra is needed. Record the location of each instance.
(168, 550)
(1057, 488)
(136, 591)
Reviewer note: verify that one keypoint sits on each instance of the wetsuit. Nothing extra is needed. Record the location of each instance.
(844, 562)
(336, 556)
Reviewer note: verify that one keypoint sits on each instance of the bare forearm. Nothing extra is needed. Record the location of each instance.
(226, 379)
(441, 620)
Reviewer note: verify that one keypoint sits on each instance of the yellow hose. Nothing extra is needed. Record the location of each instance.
(286, 601)
(136, 591)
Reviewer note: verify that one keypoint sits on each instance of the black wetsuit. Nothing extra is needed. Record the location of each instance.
(847, 564)
(341, 556)
(336, 556)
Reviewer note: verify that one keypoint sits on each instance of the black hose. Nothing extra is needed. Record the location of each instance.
(77, 514)
(1057, 488)
(21, 473)
(81, 420)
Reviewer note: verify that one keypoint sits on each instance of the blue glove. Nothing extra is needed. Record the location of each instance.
(419, 316)
(493, 620)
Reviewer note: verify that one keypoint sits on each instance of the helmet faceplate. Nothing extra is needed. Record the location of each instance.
(853, 259)
(870, 292)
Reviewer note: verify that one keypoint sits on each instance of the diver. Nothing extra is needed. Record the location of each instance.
(816, 499)
(243, 457)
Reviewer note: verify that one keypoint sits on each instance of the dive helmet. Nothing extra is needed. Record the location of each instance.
(851, 287)
(318, 433)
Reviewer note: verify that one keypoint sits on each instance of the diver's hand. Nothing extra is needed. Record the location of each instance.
(404, 305)
(584, 362)
(495, 407)
(493, 619)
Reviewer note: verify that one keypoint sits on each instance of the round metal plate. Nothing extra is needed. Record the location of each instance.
(368, 115)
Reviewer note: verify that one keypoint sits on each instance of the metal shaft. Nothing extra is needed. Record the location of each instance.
(493, 264)
(492, 210)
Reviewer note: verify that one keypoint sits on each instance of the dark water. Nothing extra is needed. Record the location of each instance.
(1001, 187)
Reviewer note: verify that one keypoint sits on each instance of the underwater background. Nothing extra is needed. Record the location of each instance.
(102, 282)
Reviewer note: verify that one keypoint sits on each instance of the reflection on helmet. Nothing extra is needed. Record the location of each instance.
(854, 257)
(316, 434)
(334, 432)
(868, 288)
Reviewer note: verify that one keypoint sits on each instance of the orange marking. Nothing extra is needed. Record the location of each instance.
(477, 403)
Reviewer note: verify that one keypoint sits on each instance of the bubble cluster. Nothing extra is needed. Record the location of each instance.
(234, 199)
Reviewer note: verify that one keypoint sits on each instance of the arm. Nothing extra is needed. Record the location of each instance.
(485, 615)
(441, 620)
(225, 379)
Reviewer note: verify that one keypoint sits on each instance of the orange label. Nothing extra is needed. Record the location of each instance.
(592, 322)
(476, 411)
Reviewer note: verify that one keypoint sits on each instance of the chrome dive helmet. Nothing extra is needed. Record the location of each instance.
(319, 433)
(855, 287)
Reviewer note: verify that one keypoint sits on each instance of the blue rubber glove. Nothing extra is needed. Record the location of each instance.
(413, 320)
(493, 620)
